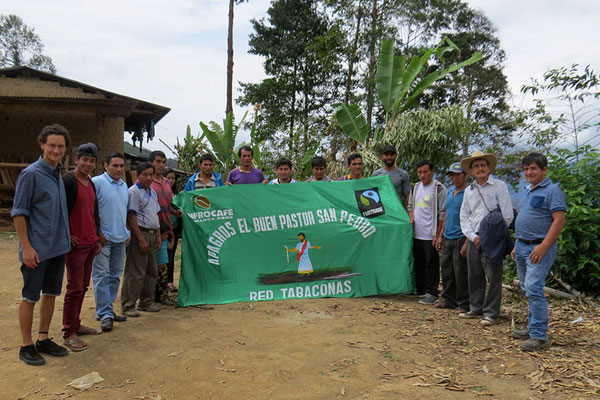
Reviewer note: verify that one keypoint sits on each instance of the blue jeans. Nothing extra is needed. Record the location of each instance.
(533, 278)
(106, 274)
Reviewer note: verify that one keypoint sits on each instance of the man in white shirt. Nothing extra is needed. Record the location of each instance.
(482, 197)
(426, 209)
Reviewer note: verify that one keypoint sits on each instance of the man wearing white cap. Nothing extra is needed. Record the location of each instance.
(482, 197)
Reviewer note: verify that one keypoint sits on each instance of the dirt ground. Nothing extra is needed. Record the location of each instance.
(361, 348)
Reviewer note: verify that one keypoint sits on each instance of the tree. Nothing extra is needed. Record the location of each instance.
(21, 46)
(304, 75)
(578, 259)
(566, 106)
(229, 105)
(398, 86)
(480, 88)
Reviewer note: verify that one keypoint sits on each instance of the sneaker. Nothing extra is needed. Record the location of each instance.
(533, 344)
(169, 303)
(470, 315)
(428, 299)
(116, 318)
(31, 356)
(132, 313)
(520, 334)
(152, 307)
(488, 321)
(47, 346)
(107, 324)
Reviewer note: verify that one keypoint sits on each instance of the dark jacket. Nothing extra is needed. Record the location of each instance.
(495, 240)
(71, 190)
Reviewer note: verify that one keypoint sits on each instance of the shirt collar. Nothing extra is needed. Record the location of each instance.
(490, 180)
(47, 167)
(149, 190)
(197, 178)
(543, 183)
(111, 180)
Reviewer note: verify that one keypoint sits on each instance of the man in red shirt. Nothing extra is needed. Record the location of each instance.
(162, 187)
(84, 223)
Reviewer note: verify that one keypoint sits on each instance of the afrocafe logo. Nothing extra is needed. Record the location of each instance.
(202, 202)
(206, 211)
(369, 202)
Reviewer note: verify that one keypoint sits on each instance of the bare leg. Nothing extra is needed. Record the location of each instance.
(26, 321)
(46, 311)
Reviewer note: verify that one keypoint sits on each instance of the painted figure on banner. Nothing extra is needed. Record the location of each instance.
(304, 265)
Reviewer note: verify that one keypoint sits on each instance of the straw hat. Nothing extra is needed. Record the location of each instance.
(490, 158)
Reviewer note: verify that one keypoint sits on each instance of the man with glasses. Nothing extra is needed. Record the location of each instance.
(482, 197)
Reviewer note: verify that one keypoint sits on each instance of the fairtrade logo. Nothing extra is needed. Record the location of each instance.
(369, 197)
(202, 202)
(369, 202)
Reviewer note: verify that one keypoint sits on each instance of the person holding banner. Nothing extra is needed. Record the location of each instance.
(305, 267)
(399, 177)
(284, 172)
(205, 178)
(318, 165)
(355, 167)
(245, 173)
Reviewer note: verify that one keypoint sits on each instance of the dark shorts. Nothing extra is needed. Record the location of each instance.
(47, 278)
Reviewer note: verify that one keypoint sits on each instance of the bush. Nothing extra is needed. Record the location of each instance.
(578, 260)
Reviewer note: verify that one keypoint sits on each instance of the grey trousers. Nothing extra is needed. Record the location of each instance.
(480, 268)
(140, 275)
(455, 286)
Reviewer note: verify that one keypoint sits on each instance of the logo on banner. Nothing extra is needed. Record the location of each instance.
(202, 202)
(206, 213)
(369, 202)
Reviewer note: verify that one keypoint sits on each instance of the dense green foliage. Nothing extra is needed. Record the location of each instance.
(578, 261)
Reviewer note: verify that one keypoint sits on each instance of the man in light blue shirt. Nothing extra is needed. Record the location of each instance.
(541, 217)
(111, 192)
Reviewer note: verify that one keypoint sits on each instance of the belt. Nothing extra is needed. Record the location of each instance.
(535, 241)
(148, 230)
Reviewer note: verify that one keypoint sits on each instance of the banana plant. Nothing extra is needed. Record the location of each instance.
(222, 139)
(397, 86)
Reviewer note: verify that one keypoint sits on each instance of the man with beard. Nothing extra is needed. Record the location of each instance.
(399, 177)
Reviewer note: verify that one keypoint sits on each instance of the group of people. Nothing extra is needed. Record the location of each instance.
(101, 229)
(469, 224)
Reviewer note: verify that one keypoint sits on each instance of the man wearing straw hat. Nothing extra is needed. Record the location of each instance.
(485, 195)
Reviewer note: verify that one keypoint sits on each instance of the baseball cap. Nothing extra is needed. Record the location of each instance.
(87, 150)
(388, 148)
(455, 168)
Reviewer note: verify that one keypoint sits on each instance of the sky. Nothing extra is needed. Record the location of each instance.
(174, 53)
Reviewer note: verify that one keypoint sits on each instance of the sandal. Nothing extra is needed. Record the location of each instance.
(171, 288)
(86, 330)
(76, 344)
(442, 304)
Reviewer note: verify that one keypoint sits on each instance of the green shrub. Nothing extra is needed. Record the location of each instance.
(578, 260)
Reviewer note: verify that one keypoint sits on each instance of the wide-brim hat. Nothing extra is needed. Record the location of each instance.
(465, 163)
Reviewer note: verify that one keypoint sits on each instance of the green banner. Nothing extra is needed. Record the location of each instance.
(299, 240)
